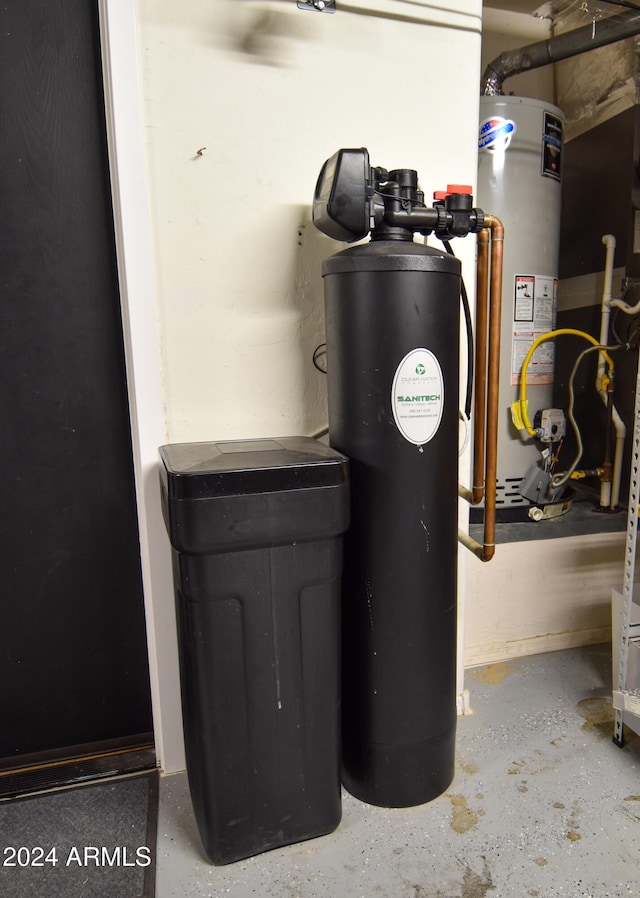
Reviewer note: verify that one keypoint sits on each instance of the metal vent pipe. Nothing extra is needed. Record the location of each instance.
(533, 56)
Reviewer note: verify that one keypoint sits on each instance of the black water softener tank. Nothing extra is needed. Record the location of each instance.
(392, 331)
(256, 529)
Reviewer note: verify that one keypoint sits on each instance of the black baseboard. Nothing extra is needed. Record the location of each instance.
(76, 764)
(510, 514)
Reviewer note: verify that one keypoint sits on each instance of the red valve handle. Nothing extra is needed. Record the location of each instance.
(460, 188)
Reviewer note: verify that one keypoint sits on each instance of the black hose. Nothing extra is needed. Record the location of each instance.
(469, 330)
(320, 350)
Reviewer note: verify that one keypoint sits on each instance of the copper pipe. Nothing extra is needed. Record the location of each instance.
(469, 543)
(493, 367)
(480, 395)
(486, 407)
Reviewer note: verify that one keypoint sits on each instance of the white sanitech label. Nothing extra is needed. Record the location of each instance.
(417, 396)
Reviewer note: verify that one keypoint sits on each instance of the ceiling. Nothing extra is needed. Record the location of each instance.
(525, 6)
(529, 6)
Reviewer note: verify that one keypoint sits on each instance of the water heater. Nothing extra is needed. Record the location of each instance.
(519, 171)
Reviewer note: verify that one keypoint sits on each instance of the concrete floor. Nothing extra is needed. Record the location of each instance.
(543, 804)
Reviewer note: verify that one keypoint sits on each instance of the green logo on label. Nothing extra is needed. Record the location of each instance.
(420, 369)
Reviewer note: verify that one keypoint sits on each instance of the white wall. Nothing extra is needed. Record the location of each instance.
(267, 92)
(271, 91)
(542, 595)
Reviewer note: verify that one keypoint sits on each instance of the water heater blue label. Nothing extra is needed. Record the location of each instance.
(496, 133)
(417, 396)
(552, 146)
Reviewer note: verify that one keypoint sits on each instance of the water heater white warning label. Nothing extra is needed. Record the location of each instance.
(417, 396)
(534, 314)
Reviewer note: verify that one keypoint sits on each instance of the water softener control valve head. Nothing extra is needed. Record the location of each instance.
(353, 199)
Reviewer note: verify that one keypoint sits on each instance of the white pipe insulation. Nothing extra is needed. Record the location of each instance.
(621, 304)
(610, 492)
